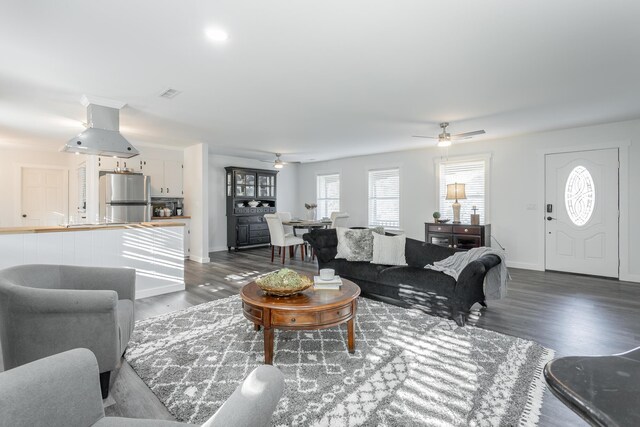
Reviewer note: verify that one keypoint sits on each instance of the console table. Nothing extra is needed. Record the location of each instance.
(459, 236)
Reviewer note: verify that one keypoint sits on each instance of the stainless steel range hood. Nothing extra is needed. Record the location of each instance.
(102, 137)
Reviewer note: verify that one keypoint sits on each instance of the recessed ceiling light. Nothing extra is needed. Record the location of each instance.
(217, 35)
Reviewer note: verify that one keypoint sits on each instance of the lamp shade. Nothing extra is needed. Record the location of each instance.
(455, 191)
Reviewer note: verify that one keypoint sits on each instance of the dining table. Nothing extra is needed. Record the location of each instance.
(300, 224)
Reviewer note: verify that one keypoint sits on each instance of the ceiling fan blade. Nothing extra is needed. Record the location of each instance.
(428, 137)
(472, 133)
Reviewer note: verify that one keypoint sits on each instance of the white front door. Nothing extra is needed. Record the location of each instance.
(44, 196)
(581, 214)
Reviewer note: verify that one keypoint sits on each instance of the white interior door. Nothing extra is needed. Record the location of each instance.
(582, 212)
(44, 196)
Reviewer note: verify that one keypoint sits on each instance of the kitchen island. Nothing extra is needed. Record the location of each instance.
(154, 249)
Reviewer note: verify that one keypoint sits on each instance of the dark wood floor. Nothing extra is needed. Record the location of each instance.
(568, 313)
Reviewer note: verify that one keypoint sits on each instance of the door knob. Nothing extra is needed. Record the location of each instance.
(549, 218)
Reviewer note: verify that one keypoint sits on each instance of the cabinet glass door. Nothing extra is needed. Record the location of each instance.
(245, 184)
(266, 185)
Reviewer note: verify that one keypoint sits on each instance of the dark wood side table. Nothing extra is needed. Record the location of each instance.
(459, 236)
(310, 309)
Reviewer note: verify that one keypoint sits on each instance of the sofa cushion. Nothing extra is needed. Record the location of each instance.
(418, 279)
(419, 254)
(356, 244)
(389, 250)
(356, 269)
(124, 312)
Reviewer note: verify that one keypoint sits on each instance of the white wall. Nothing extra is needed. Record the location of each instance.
(287, 192)
(517, 179)
(196, 199)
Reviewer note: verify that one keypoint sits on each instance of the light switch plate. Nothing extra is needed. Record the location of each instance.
(532, 206)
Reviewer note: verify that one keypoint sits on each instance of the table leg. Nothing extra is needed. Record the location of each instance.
(351, 335)
(256, 327)
(268, 346)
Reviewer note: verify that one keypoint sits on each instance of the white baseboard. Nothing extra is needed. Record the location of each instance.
(160, 290)
(626, 277)
(201, 260)
(219, 249)
(525, 265)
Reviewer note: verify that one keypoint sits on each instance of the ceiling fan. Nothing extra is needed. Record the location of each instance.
(278, 163)
(445, 138)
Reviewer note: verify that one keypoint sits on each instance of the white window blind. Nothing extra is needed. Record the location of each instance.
(328, 194)
(471, 173)
(384, 198)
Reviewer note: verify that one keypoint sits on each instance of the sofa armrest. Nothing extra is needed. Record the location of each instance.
(121, 280)
(470, 284)
(253, 402)
(58, 390)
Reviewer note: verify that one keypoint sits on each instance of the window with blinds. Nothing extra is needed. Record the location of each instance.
(328, 195)
(384, 198)
(471, 173)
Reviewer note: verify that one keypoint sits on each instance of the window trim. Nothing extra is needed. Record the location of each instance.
(319, 174)
(486, 157)
(400, 198)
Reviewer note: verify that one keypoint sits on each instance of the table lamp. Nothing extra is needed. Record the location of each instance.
(455, 192)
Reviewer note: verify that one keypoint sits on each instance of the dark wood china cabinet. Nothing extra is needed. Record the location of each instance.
(246, 225)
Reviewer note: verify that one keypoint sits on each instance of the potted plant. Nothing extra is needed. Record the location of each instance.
(436, 217)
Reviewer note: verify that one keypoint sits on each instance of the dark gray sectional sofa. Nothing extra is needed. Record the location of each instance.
(412, 285)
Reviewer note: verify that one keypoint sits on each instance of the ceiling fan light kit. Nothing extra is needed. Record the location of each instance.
(445, 139)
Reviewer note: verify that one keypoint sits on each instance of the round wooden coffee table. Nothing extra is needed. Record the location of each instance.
(311, 309)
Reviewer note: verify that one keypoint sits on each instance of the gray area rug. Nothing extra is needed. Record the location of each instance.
(409, 368)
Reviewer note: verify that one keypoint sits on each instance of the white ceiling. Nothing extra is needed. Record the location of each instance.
(317, 79)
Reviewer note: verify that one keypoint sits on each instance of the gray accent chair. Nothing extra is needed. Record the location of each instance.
(48, 309)
(63, 391)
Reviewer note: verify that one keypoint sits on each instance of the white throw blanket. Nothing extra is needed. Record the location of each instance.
(495, 282)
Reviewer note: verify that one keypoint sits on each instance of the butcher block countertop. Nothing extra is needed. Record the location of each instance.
(170, 217)
(85, 227)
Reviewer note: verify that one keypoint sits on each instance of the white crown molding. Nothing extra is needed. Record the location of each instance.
(99, 100)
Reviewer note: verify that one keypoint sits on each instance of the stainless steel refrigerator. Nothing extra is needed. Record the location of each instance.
(125, 197)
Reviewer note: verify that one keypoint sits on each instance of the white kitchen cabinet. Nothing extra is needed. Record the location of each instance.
(107, 163)
(166, 177)
(173, 179)
(186, 229)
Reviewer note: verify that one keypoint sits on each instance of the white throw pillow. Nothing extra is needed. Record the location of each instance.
(356, 244)
(389, 250)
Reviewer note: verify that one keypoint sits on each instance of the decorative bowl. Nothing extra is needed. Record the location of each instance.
(265, 204)
(443, 221)
(240, 205)
(283, 283)
(253, 204)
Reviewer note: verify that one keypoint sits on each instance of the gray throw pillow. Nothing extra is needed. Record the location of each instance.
(356, 245)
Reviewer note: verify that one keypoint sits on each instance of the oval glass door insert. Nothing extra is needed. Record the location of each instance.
(579, 195)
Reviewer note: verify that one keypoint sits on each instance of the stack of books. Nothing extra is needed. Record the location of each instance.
(331, 284)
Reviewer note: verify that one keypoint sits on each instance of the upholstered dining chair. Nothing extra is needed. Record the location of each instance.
(281, 240)
(47, 309)
(339, 219)
(284, 217)
(63, 390)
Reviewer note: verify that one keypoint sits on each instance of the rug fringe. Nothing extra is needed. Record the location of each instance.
(531, 414)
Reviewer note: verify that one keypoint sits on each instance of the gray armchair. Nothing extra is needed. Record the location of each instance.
(63, 390)
(47, 309)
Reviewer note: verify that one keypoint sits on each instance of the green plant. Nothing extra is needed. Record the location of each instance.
(436, 215)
